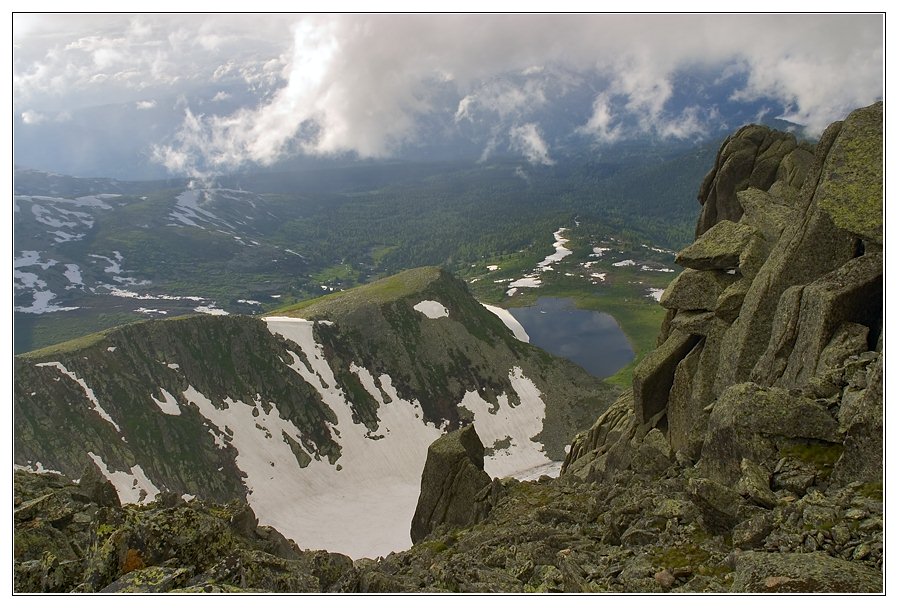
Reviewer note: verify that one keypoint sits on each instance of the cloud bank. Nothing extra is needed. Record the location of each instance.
(364, 84)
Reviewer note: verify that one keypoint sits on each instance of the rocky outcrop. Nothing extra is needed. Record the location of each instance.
(768, 379)
(453, 484)
(754, 157)
(75, 537)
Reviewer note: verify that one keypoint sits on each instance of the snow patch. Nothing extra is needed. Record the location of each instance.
(37, 468)
(147, 311)
(41, 300)
(655, 293)
(32, 258)
(528, 281)
(133, 486)
(515, 425)
(73, 274)
(510, 321)
(110, 349)
(624, 263)
(561, 251)
(168, 404)
(211, 310)
(87, 391)
(431, 309)
(492, 267)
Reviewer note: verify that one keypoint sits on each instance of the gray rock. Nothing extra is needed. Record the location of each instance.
(848, 339)
(751, 533)
(728, 305)
(452, 478)
(696, 290)
(755, 484)
(863, 457)
(151, 580)
(810, 248)
(684, 421)
(851, 293)
(749, 158)
(766, 213)
(692, 322)
(719, 248)
(802, 573)
(94, 486)
(654, 376)
(747, 421)
(719, 505)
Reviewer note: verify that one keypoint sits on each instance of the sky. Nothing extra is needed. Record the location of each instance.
(258, 88)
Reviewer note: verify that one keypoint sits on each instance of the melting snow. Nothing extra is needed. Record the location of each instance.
(73, 274)
(655, 293)
(431, 309)
(510, 321)
(211, 310)
(599, 251)
(526, 282)
(662, 270)
(168, 404)
(133, 486)
(37, 468)
(516, 424)
(624, 263)
(365, 508)
(561, 250)
(32, 258)
(63, 237)
(492, 267)
(110, 349)
(41, 302)
(249, 302)
(147, 311)
(87, 391)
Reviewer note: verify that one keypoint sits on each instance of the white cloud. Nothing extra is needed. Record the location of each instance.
(30, 117)
(601, 124)
(503, 99)
(328, 84)
(527, 140)
(148, 104)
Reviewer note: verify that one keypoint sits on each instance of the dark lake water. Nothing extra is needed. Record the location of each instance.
(591, 339)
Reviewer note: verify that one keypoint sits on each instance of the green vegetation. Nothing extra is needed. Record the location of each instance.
(375, 293)
(821, 455)
(290, 234)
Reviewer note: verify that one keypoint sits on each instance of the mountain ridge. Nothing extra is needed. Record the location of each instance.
(270, 409)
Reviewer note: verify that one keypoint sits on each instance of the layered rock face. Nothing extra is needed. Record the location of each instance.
(768, 379)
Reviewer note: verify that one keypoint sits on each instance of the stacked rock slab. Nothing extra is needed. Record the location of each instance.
(768, 378)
